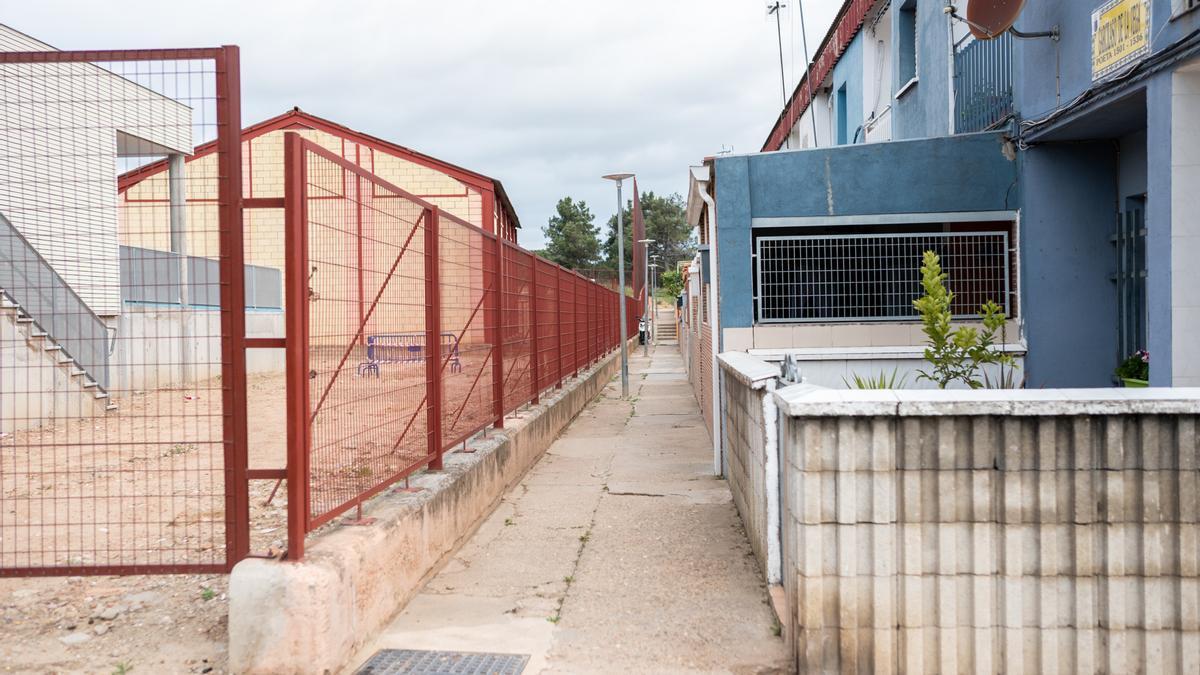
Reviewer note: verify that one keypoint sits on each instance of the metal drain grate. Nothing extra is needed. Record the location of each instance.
(419, 662)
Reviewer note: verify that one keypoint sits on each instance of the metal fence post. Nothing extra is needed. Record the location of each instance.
(233, 302)
(558, 320)
(433, 340)
(296, 319)
(535, 356)
(498, 335)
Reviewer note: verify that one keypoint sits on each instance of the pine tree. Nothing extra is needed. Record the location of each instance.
(572, 238)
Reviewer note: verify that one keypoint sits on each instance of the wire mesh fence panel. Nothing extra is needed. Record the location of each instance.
(467, 273)
(517, 326)
(122, 445)
(546, 322)
(408, 331)
(858, 277)
(366, 334)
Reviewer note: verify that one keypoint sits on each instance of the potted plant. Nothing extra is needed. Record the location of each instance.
(1134, 371)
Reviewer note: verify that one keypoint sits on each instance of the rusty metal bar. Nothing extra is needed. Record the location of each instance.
(433, 339)
(299, 424)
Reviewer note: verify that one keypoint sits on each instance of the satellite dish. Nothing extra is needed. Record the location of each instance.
(988, 19)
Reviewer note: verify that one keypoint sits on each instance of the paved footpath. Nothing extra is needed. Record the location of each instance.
(619, 551)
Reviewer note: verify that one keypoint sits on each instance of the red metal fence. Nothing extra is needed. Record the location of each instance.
(408, 331)
(122, 315)
(132, 438)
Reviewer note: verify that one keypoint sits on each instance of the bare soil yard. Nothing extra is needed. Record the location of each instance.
(144, 485)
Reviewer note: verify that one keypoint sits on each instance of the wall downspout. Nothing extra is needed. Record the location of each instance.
(772, 462)
(715, 323)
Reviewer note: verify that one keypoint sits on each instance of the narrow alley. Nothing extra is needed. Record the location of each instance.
(619, 551)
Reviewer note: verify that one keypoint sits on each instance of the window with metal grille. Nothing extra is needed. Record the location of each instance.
(1130, 242)
(875, 277)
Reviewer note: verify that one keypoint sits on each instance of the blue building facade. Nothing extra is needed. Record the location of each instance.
(1056, 175)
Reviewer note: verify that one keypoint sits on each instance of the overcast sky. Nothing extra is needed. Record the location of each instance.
(544, 95)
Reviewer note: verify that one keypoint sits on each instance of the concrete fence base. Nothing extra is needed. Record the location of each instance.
(311, 616)
(992, 531)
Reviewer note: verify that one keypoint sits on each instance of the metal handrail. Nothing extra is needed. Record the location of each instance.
(33, 284)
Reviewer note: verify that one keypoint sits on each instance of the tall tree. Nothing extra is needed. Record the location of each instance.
(572, 238)
(666, 224)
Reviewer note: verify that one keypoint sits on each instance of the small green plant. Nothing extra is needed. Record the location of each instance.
(508, 522)
(569, 579)
(553, 619)
(884, 380)
(207, 594)
(122, 668)
(956, 354)
(584, 537)
(1135, 367)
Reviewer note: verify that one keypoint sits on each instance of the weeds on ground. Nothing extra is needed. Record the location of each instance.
(207, 594)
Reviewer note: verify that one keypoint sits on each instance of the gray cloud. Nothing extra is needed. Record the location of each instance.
(544, 95)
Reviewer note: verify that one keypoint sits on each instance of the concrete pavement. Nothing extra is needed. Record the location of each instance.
(617, 552)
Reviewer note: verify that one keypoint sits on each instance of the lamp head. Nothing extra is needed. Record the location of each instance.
(618, 177)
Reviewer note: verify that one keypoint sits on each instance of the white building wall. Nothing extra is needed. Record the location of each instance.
(801, 135)
(877, 78)
(60, 128)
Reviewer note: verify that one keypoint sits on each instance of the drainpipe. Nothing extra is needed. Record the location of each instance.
(715, 321)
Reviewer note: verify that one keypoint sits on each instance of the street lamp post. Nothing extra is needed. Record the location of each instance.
(646, 312)
(617, 178)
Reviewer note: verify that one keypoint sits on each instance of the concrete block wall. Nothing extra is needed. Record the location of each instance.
(751, 452)
(1016, 532)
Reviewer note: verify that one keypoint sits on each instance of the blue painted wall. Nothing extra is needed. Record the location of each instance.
(1035, 59)
(923, 111)
(1158, 228)
(915, 176)
(736, 287)
(1066, 262)
(1068, 196)
(848, 73)
(919, 176)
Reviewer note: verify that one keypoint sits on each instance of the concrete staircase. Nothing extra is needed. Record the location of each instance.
(668, 331)
(45, 381)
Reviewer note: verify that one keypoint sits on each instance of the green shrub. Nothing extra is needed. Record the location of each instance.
(956, 354)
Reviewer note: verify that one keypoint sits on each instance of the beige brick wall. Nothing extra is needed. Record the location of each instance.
(386, 221)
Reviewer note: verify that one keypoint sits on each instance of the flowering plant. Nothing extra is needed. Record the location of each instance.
(1136, 366)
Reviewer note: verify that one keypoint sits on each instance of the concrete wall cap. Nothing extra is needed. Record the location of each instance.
(896, 353)
(807, 401)
(752, 371)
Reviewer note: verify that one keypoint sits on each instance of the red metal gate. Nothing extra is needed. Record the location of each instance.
(408, 331)
(122, 368)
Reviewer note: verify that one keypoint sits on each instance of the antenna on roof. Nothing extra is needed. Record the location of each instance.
(774, 8)
(812, 116)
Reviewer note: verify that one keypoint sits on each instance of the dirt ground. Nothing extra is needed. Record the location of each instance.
(143, 486)
(140, 624)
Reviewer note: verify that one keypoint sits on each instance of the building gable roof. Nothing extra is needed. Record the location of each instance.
(298, 119)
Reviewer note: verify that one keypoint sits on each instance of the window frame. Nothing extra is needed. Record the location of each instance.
(1009, 301)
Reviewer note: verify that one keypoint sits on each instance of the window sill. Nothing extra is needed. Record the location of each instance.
(908, 86)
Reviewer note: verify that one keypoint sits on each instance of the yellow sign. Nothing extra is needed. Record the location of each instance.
(1120, 35)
